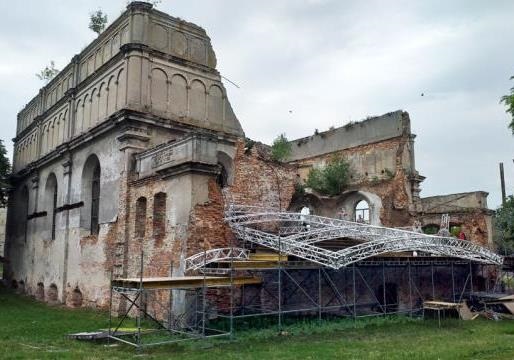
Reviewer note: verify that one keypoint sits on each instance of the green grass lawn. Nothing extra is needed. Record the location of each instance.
(32, 330)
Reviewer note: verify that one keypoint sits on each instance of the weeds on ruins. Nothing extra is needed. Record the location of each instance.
(48, 73)
(281, 148)
(97, 21)
(330, 179)
(504, 221)
(508, 101)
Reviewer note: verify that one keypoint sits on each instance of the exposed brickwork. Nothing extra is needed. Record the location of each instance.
(472, 223)
(207, 228)
(391, 185)
(140, 218)
(260, 181)
(159, 218)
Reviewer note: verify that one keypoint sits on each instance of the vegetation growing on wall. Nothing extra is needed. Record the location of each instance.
(48, 73)
(504, 224)
(281, 148)
(331, 179)
(508, 100)
(97, 21)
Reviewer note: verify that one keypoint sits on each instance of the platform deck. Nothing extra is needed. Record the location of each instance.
(184, 282)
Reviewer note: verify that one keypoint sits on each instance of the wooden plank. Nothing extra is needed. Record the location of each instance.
(465, 312)
(509, 306)
(441, 304)
(185, 282)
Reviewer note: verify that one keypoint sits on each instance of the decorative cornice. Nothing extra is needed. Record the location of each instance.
(124, 117)
(189, 167)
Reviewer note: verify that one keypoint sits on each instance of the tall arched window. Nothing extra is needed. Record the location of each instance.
(23, 213)
(222, 178)
(95, 200)
(362, 211)
(51, 200)
(91, 190)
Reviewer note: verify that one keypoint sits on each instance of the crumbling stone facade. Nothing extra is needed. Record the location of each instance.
(380, 151)
(127, 158)
(144, 91)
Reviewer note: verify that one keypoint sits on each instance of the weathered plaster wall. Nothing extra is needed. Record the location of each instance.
(128, 66)
(381, 172)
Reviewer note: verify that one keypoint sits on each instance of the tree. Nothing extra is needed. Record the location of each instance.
(504, 224)
(97, 21)
(281, 148)
(330, 179)
(5, 170)
(508, 100)
(48, 73)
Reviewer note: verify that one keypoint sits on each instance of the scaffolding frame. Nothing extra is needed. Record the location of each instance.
(316, 282)
(190, 325)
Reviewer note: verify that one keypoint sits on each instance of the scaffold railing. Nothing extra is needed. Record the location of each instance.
(299, 235)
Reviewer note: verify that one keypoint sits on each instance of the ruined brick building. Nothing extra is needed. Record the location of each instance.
(127, 150)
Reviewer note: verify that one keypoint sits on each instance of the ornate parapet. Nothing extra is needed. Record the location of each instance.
(196, 153)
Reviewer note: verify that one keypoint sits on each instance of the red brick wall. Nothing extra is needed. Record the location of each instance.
(260, 181)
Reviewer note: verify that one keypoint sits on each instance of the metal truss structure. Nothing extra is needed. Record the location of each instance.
(200, 260)
(299, 235)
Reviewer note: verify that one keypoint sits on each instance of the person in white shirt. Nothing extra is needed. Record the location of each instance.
(303, 217)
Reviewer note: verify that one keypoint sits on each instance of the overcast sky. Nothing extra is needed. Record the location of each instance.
(328, 62)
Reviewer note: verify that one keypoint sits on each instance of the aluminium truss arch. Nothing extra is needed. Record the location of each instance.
(299, 235)
(200, 260)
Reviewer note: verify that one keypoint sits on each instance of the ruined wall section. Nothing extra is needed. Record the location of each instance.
(257, 181)
(376, 168)
(260, 181)
(467, 210)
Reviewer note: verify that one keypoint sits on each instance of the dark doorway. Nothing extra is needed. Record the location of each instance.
(388, 299)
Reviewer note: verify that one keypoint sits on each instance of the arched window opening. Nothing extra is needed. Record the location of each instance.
(430, 229)
(140, 221)
(52, 294)
(362, 212)
(226, 168)
(222, 178)
(91, 191)
(51, 200)
(159, 216)
(24, 213)
(95, 200)
(76, 298)
(54, 212)
(40, 291)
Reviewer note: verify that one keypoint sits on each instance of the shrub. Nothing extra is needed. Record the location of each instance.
(331, 179)
(504, 224)
(281, 148)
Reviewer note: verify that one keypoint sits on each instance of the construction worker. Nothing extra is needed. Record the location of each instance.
(303, 217)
